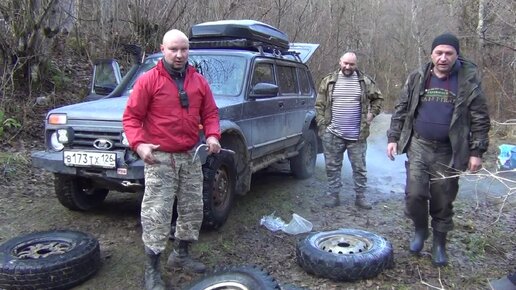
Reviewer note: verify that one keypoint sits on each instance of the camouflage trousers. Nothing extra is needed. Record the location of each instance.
(334, 149)
(174, 176)
(429, 188)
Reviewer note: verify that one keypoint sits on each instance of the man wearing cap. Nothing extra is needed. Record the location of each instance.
(441, 122)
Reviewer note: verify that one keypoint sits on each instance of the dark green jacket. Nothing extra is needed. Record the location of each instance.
(470, 122)
(371, 101)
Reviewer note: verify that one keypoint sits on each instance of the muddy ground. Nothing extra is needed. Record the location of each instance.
(482, 247)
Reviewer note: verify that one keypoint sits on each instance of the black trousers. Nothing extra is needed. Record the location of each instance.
(432, 185)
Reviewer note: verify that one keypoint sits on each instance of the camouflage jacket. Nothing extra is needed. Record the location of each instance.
(470, 120)
(371, 100)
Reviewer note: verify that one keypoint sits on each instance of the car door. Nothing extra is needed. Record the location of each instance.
(105, 78)
(289, 93)
(263, 113)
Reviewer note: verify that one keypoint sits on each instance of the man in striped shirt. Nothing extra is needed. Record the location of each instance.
(347, 102)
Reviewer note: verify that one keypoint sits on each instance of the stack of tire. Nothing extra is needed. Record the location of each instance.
(340, 255)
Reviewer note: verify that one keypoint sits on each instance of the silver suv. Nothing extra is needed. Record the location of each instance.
(265, 95)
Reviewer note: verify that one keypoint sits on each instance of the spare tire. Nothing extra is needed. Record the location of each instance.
(242, 277)
(48, 260)
(344, 254)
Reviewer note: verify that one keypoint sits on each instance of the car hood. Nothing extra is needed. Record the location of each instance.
(105, 109)
(112, 109)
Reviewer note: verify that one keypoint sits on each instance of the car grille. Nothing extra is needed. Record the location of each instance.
(85, 139)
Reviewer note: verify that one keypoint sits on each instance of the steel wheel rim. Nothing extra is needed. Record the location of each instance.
(221, 188)
(39, 250)
(227, 286)
(344, 244)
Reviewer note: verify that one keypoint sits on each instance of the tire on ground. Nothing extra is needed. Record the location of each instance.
(218, 189)
(242, 277)
(344, 254)
(48, 260)
(303, 164)
(77, 193)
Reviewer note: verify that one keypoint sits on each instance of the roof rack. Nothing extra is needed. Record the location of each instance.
(244, 44)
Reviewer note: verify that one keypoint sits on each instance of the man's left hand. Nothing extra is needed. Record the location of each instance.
(370, 118)
(213, 145)
(475, 164)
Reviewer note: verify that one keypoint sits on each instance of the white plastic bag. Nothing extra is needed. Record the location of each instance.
(297, 225)
(272, 223)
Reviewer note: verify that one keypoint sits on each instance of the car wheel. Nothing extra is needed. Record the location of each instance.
(77, 193)
(48, 260)
(344, 254)
(237, 278)
(218, 189)
(303, 164)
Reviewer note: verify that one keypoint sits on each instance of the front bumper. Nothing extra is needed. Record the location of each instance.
(124, 171)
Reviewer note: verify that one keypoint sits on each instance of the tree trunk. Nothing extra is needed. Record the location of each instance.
(480, 31)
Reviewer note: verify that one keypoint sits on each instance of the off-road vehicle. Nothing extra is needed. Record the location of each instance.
(265, 95)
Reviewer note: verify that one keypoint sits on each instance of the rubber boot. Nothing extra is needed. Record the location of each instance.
(153, 280)
(171, 236)
(181, 259)
(417, 243)
(361, 202)
(439, 257)
(332, 200)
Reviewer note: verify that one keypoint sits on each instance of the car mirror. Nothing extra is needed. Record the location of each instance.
(264, 90)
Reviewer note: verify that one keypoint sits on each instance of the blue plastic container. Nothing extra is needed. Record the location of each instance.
(513, 158)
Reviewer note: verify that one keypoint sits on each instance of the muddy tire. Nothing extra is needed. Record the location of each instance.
(344, 254)
(243, 277)
(77, 193)
(218, 189)
(303, 164)
(48, 260)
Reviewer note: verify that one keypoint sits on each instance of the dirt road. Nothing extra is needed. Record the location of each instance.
(482, 246)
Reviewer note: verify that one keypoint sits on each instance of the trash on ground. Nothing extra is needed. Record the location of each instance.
(507, 157)
(297, 225)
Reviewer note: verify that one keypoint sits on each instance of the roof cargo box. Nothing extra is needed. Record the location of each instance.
(248, 34)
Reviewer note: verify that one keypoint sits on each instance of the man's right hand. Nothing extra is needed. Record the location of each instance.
(144, 150)
(392, 150)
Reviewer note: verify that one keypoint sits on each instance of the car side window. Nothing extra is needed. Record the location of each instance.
(287, 80)
(263, 73)
(304, 81)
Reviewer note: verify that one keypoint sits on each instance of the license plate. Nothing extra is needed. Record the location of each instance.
(89, 158)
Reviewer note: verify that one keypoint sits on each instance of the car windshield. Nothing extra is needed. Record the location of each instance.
(224, 73)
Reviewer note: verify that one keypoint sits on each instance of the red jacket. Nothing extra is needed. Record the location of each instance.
(154, 114)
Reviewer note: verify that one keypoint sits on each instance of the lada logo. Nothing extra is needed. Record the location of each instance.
(103, 144)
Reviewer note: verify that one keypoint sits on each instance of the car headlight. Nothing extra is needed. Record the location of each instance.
(54, 142)
(57, 119)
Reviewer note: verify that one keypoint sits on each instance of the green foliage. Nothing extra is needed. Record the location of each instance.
(76, 46)
(59, 78)
(476, 245)
(10, 163)
(7, 123)
(49, 76)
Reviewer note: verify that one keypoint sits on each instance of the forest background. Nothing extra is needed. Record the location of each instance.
(47, 47)
(47, 52)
